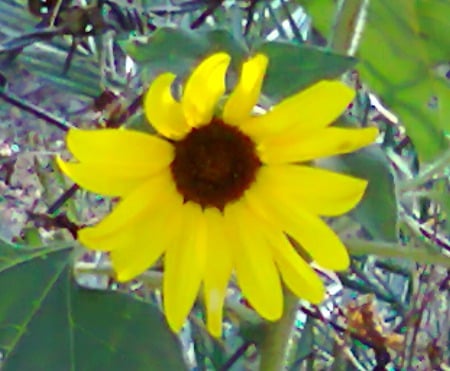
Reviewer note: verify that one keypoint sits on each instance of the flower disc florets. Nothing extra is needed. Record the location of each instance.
(214, 164)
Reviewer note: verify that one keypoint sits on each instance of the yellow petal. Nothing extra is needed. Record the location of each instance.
(319, 191)
(311, 109)
(136, 247)
(315, 236)
(204, 87)
(118, 146)
(102, 179)
(162, 110)
(217, 271)
(108, 179)
(184, 266)
(256, 272)
(246, 93)
(297, 275)
(150, 196)
(296, 147)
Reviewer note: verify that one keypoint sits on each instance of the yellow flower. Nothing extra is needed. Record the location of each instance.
(218, 194)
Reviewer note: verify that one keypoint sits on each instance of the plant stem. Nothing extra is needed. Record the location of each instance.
(392, 250)
(277, 335)
(348, 25)
(427, 174)
(152, 279)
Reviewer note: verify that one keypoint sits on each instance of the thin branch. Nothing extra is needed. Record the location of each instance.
(37, 111)
(206, 13)
(236, 356)
(61, 200)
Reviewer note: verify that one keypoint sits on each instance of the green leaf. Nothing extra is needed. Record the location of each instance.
(293, 67)
(47, 322)
(177, 50)
(434, 23)
(322, 12)
(167, 49)
(402, 44)
(377, 212)
(223, 40)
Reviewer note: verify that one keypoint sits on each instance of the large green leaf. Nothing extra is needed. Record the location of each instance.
(377, 212)
(166, 49)
(293, 67)
(177, 49)
(402, 44)
(322, 12)
(47, 322)
(403, 51)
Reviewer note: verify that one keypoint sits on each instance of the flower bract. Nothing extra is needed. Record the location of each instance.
(220, 191)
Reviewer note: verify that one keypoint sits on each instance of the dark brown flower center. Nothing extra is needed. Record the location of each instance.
(214, 164)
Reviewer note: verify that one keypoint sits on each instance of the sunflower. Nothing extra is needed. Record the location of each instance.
(221, 192)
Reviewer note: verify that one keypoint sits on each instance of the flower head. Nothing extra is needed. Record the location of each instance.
(218, 193)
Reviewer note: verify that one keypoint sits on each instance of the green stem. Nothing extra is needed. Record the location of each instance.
(55, 12)
(348, 25)
(152, 279)
(392, 250)
(427, 174)
(276, 336)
